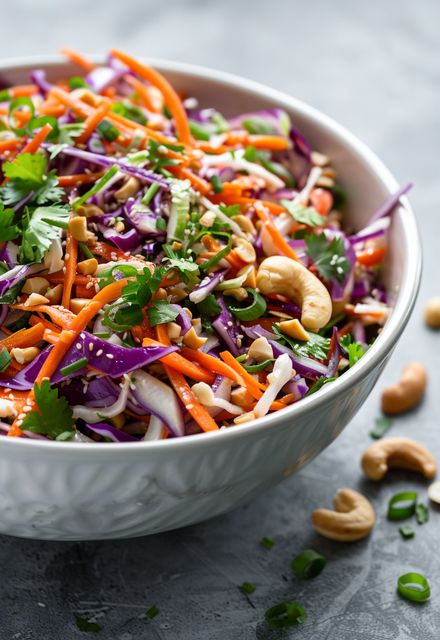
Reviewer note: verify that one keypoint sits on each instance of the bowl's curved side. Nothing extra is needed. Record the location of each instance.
(73, 492)
(74, 498)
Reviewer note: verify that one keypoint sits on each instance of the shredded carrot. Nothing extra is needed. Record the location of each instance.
(70, 262)
(181, 364)
(143, 92)
(51, 107)
(226, 198)
(25, 90)
(36, 142)
(278, 240)
(172, 100)
(371, 257)
(251, 384)
(213, 364)
(61, 316)
(24, 338)
(10, 144)
(78, 106)
(92, 121)
(78, 179)
(199, 184)
(77, 58)
(189, 400)
(271, 143)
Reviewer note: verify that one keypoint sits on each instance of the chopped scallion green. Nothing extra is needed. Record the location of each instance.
(402, 505)
(308, 564)
(74, 366)
(414, 587)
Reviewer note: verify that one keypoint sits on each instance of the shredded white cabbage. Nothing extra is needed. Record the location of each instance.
(281, 374)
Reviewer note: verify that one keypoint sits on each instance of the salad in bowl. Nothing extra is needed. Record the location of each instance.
(167, 271)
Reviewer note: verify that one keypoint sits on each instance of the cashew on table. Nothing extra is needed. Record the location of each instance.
(352, 519)
(289, 278)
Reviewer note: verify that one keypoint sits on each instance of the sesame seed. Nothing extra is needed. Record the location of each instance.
(91, 346)
(110, 356)
(63, 269)
(99, 352)
(189, 407)
(27, 408)
(78, 345)
(90, 284)
(19, 423)
(67, 256)
(132, 386)
(21, 416)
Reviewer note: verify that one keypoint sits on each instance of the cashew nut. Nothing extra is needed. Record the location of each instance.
(287, 277)
(352, 519)
(128, 189)
(408, 392)
(432, 313)
(397, 453)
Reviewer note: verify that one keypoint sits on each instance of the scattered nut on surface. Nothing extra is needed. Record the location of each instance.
(192, 340)
(432, 313)
(434, 492)
(77, 304)
(54, 294)
(397, 453)
(352, 520)
(408, 392)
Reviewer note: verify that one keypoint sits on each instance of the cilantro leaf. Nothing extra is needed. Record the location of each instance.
(27, 173)
(316, 386)
(316, 347)
(85, 625)
(8, 229)
(141, 289)
(329, 257)
(29, 168)
(304, 215)
(230, 210)
(355, 349)
(160, 312)
(38, 234)
(209, 306)
(54, 416)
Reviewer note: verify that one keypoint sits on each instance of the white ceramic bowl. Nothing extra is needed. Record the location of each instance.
(68, 491)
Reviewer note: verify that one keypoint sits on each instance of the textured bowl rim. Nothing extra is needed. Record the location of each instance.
(386, 340)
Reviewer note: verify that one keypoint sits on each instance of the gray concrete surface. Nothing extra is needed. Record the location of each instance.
(375, 67)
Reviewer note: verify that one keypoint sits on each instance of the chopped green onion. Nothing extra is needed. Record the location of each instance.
(220, 254)
(152, 612)
(285, 614)
(422, 513)
(5, 359)
(257, 125)
(255, 368)
(414, 587)
(86, 251)
(381, 426)
(241, 358)
(108, 175)
(255, 310)
(199, 131)
(320, 382)
(55, 223)
(75, 366)
(66, 435)
(16, 104)
(108, 131)
(247, 588)
(266, 542)
(76, 82)
(122, 318)
(406, 532)
(217, 185)
(150, 193)
(402, 505)
(37, 123)
(308, 564)
(130, 112)
(5, 95)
